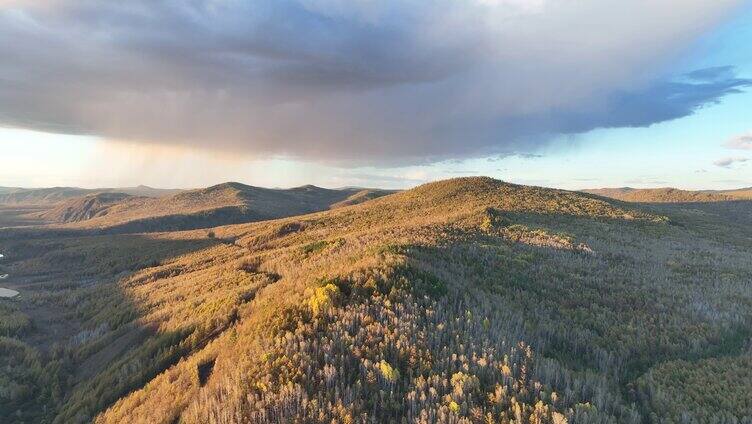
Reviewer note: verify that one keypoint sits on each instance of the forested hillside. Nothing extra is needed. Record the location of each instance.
(463, 301)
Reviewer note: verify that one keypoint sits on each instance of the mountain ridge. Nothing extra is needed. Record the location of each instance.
(54, 195)
(221, 204)
(671, 195)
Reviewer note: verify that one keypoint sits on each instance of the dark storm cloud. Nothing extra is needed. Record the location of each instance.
(351, 80)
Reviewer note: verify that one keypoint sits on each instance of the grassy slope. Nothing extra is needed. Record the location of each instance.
(464, 298)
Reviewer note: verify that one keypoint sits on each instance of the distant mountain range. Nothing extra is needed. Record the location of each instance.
(147, 209)
(144, 209)
(53, 195)
(671, 195)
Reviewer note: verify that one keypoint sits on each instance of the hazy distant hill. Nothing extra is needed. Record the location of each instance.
(671, 195)
(222, 204)
(461, 301)
(40, 196)
(55, 195)
(740, 193)
(83, 208)
(145, 191)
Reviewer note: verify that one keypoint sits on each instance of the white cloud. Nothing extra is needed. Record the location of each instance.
(741, 142)
(728, 162)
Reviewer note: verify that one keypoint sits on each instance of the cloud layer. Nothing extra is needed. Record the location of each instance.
(357, 81)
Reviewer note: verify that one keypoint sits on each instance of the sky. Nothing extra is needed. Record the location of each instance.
(281, 93)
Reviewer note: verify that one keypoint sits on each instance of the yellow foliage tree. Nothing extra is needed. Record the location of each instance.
(322, 298)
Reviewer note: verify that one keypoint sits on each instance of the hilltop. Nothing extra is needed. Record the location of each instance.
(467, 300)
(671, 195)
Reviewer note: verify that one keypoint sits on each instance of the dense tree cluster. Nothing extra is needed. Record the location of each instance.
(395, 359)
(713, 390)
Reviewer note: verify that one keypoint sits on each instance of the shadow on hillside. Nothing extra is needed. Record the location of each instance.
(200, 220)
(78, 339)
(158, 224)
(597, 311)
(733, 211)
(16, 216)
(728, 221)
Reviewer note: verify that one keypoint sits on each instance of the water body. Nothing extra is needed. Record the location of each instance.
(6, 293)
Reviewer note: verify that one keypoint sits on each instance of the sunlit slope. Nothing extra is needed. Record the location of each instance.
(468, 300)
(361, 195)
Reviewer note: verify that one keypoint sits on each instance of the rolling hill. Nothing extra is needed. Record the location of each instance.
(56, 195)
(221, 204)
(740, 193)
(671, 195)
(40, 196)
(460, 301)
(84, 208)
